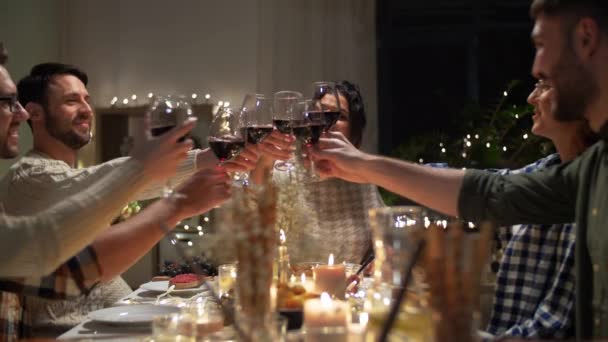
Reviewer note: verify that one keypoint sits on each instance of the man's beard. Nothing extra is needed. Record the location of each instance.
(576, 87)
(67, 136)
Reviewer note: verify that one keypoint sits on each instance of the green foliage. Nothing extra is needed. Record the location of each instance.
(497, 137)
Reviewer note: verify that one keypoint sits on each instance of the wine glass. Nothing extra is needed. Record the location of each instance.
(328, 102)
(256, 116)
(307, 127)
(166, 112)
(225, 135)
(283, 113)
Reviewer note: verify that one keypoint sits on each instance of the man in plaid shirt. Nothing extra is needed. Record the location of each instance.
(534, 294)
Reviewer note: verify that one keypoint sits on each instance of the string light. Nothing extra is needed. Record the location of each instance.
(200, 233)
(226, 104)
(441, 144)
(517, 116)
(133, 97)
(476, 136)
(421, 160)
(443, 150)
(488, 145)
(468, 136)
(464, 154)
(194, 96)
(220, 103)
(186, 227)
(206, 219)
(525, 136)
(504, 148)
(150, 95)
(125, 101)
(207, 96)
(468, 143)
(199, 228)
(114, 100)
(505, 93)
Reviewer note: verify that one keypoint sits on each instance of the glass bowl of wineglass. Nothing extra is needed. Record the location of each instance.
(327, 101)
(165, 113)
(284, 106)
(225, 135)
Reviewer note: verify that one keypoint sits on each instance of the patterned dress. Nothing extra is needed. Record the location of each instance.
(333, 218)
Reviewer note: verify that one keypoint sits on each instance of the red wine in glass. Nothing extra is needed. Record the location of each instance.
(307, 132)
(256, 133)
(226, 148)
(284, 126)
(330, 119)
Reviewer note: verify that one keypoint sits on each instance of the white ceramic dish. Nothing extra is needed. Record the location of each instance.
(131, 314)
(163, 286)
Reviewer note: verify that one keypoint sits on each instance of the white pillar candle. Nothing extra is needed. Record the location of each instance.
(325, 312)
(330, 278)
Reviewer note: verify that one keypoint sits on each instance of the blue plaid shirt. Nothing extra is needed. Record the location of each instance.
(535, 282)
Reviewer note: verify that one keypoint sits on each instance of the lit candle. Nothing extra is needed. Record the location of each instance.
(283, 260)
(325, 312)
(330, 278)
(307, 283)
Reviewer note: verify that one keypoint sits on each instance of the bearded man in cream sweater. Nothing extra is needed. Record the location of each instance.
(57, 99)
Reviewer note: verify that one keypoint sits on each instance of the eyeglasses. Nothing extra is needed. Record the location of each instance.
(13, 103)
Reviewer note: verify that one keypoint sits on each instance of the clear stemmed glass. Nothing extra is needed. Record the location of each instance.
(225, 135)
(256, 115)
(307, 127)
(328, 102)
(166, 112)
(283, 113)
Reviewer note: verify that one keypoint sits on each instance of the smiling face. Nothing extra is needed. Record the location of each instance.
(542, 98)
(68, 113)
(556, 63)
(10, 120)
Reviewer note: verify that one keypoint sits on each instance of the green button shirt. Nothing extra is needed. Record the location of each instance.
(573, 191)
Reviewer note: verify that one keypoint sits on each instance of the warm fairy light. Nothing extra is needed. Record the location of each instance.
(150, 95)
(525, 136)
(282, 236)
(421, 160)
(517, 116)
(476, 136)
(199, 228)
(330, 260)
(114, 100)
(443, 150)
(505, 93)
(220, 103)
(207, 96)
(468, 143)
(125, 101)
(206, 219)
(194, 96)
(440, 144)
(226, 104)
(200, 233)
(504, 148)
(133, 97)
(488, 145)
(468, 136)
(189, 243)
(186, 227)
(464, 154)
(325, 300)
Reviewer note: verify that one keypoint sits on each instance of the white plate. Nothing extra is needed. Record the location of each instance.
(131, 314)
(162, 286)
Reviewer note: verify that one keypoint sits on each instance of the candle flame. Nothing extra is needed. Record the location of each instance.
(282, 236)
(330, 261)
(325, 299)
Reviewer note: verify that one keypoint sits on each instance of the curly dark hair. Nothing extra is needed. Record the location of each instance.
(356, 108)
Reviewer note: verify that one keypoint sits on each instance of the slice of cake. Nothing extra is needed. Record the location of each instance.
(186, 281)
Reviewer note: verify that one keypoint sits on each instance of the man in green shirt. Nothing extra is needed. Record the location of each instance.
(571, 39)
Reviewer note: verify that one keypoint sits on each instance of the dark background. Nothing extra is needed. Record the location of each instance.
(436, 56)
